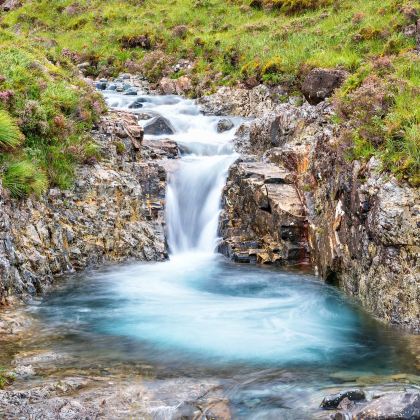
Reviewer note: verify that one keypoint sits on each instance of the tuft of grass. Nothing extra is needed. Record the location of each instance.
(24, 178)
(5, 378)
(10, 135)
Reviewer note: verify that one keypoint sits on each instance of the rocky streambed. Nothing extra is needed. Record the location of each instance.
(198, 336)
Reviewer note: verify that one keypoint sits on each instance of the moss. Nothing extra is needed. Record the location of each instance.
(5, 378)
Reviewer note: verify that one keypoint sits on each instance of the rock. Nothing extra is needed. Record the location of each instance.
(101, 85)
(144, 116)
(263, 218)
(131, 92)
(395, 405)
(180, 86)
(418, 35)
(138, 103)
(84, 65)
(331, 402)
(224, 124)
(180, 31)
(9, 5)
(107, 216)
(158, 126)
(137, 41)
(319, 84)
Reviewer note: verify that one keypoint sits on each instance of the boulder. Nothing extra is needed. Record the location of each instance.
(138, 103)
(11, 5)
(319, 84)
(158, 126)
(224, 124)
(331, 402)
(179, 86)
(131, 92)
(395, 405)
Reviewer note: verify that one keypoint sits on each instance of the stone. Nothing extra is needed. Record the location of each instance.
(224, 124)
(9, 5)
(331, 402)
(101, 85)
(158, 126)
(319, 84)
(138, 103)
(180, 86)
(263, 218)
(395, 405)
(131, 92)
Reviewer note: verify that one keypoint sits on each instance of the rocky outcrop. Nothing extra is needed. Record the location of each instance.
(263, 218)
(361, 224)
(319, 84)
(113, 213)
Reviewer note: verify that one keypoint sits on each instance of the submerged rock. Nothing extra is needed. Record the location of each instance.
(159, 126)
(224, 124)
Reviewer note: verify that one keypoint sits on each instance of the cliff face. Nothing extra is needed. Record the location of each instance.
(114, 213)
(297, 192)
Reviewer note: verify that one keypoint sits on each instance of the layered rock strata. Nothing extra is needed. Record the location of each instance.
(362, 224)
(115, 212)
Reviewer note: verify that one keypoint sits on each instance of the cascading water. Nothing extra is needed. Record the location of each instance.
(194, 189)
(268, 333)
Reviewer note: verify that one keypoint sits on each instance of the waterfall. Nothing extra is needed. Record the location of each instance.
(193, 203)
(193, 195)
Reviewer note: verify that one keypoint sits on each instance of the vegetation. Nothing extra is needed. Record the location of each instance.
(5, 378)
(228, 42)
(45, 113)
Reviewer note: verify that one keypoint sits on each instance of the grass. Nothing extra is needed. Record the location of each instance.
(228, 42)
(10, 135)
(45, 112)
(5, 378)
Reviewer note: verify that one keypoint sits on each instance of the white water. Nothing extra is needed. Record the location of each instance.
(194, 191)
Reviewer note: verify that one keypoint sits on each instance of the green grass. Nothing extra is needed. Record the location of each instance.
(45, 113)
(228, 42)
(5, 378)
(10, 135)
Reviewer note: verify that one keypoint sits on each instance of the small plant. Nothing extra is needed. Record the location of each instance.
(10, 135)
(5, 378)
(24, 178)
(120, 148)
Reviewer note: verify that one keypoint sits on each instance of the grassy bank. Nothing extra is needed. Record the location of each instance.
(240, 41)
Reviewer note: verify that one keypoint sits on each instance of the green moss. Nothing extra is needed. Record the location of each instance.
(5, 378)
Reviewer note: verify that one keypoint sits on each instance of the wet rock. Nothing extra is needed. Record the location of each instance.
(158, 126)
(319, 84)
(101, 85)
(263, 217)
(130, 91)
(224, 124)
(138, 103)
(333, 401)
(395, 405)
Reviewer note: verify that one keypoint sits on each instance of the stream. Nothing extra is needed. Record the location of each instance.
(273, 341)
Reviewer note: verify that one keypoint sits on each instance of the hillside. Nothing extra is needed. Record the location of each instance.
(215, 43)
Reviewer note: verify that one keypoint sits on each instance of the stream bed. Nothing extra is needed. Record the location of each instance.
(246, 341)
